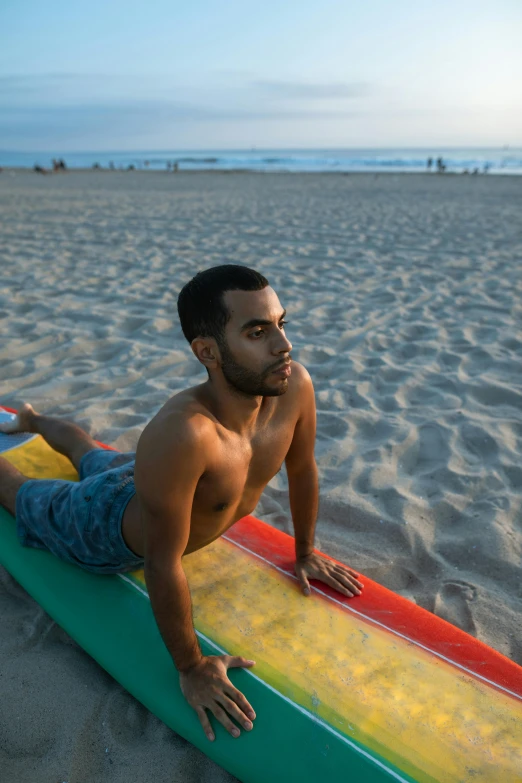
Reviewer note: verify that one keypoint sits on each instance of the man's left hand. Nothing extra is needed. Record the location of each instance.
(336, 575)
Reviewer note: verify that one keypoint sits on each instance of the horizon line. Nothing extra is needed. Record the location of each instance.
(499, 148)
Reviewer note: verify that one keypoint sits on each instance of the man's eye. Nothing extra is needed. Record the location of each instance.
(259, 332)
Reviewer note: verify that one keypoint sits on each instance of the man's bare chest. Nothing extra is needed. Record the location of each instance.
(241, 468)
(230, 489)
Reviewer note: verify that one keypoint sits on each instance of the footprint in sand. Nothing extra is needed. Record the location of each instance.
(478, 445)
(452, 603)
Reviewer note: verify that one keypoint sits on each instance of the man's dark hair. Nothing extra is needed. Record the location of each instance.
(201, 309)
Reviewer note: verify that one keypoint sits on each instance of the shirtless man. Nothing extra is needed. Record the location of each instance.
(201, 464)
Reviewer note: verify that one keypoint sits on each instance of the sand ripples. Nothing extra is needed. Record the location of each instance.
(404, 297)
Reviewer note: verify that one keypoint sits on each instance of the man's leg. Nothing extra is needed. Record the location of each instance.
(10, 482)
(62, 436)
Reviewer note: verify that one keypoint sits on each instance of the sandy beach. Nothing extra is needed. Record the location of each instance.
(404, 299)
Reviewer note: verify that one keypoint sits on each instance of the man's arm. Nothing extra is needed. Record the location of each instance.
(303, 483)
(303, 487)
(166, 477)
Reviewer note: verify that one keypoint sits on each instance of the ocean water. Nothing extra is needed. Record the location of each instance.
(496, 161)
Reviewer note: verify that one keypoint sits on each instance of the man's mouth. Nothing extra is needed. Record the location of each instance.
(283, 369)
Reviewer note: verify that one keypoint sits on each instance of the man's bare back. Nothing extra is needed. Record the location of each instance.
(238, 466)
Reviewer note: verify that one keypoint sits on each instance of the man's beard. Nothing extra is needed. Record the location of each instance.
(245, 381)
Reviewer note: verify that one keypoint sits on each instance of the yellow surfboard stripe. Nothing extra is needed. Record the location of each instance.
(415, 710)
(422, 714)
(37, 459)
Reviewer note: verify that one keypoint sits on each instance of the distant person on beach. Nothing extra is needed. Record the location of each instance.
(441, 168)
(429, 164)
(59, 165)
(201, 464)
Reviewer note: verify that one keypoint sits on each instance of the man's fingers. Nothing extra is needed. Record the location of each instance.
(347, 577)
(238, 660)
(234, 711)
(303, 581)
(220, 715)
(350, 584)
(349, 591)
(348, 571)
(203, 718)
(232, 692)
(240, 700)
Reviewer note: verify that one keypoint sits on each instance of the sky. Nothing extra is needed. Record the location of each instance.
(170, 75)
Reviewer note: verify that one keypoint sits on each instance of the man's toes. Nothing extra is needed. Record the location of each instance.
(21, 422)
(25, 416)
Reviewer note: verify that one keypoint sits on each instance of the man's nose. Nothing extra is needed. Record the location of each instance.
(284, 345)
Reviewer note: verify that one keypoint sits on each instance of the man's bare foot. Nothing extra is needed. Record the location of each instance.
(22, 422)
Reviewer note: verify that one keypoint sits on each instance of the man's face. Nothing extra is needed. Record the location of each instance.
(255, 343)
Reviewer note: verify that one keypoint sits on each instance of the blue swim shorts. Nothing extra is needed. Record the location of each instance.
(81, 521)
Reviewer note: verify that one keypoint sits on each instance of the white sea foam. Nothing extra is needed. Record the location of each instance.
(456, 160)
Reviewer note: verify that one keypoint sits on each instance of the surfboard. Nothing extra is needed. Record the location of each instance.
(372, 688)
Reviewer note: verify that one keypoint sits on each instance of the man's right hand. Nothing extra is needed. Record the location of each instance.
(207, 687)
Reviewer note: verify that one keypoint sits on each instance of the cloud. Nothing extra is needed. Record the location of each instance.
(10, 83)
(149, 112)
(43, 127)
(53, 88)
(308, 90)
(49, 110)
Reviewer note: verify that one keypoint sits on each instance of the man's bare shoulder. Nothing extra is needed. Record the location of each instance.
(299, 381)
(300, 374)
(183, 419)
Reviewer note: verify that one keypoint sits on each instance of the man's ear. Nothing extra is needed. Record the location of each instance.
(206, 351)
